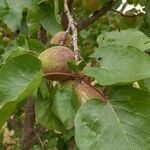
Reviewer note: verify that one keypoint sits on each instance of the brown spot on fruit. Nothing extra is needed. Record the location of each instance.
(86, 92)
(62, 39)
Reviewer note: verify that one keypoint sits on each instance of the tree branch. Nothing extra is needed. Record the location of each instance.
(70, 5)
(64, 19)
(28, 134)
(71, 25)
(85, 23)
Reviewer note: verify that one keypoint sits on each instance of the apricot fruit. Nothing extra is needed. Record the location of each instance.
(86, 92)
(62, 39)
(90, 5)
(54, 62)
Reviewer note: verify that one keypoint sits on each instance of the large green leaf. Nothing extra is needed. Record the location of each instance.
(65, 105)
(3, 8)
(48, 19)
(22, 46)
(121, 123)
(33, 18)
(13, 15)
(119, 64)
(43, 108)
(130, 37)
(19, 78)
(57, 9)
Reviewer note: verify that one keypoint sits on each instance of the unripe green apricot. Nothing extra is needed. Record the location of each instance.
(77, 3)
(130, 20)
(91, 5)
(54, 61)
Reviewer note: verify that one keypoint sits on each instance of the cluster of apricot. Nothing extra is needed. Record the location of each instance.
(55, 66)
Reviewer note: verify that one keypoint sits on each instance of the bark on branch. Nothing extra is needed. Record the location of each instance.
(28, 133)
(64, 19)
(72, 27)
(82, 24)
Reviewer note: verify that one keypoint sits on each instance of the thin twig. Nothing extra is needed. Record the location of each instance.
(70, 5)
(71, 25)
(41, 143)
(64, 18)
(82, 24)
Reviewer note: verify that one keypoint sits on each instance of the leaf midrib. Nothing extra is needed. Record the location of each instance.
(22, 92)
(119, 122)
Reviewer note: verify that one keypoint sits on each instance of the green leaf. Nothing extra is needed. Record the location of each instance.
(147, 15)
(21, 41)
(47, 18)
(2, 47)
(121, 123)
(16, 48)
(65, 106)
(56, 10)
(43, 109)
(22, 46)
(119, 64)
(36, 45)
(1, 66)
(130, 37)
(145, 84)
(145, 28)
(74, 66)
(19, 78)
(15, 53)
(14, 14)
(33, 19)
(3, 8)
(1, 51)
(23, 25)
